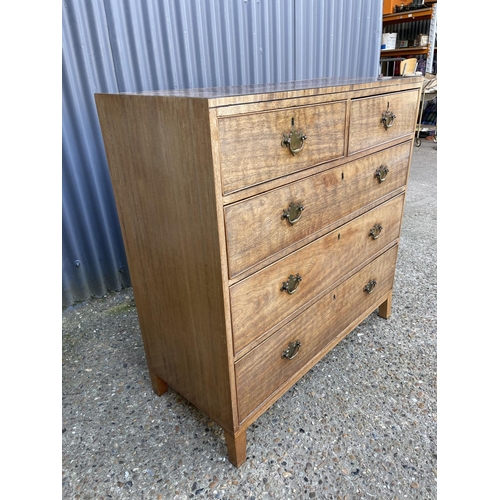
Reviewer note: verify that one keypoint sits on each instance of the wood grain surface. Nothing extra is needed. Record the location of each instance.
(250, 144)
(256, 230)
(263, 371)
(365, 126)
(258, 303)
(269, 92)
(163, 181)
(201, 180)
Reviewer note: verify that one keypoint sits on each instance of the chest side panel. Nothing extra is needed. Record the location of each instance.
(159, 154)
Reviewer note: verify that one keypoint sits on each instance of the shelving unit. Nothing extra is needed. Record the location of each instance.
(424, 22)
(412, 15)
(432, 39)
(429, 13)
(407, 51)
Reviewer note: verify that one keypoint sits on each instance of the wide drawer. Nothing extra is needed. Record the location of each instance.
(259, 302)
(257, 229)
(251, 149)
(264, 370)
(366, 127)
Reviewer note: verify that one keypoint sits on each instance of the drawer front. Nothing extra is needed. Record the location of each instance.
(259, 303)
(263, 370)
(366, 128)
(251, 149)
(256, 228)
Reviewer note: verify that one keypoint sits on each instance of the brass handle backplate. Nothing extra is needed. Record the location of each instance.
(388, 118)
(292, 284)
(292, 350)
(381, 173)
(375, 231)
(294, 140)
(293, 212)
(370, 286)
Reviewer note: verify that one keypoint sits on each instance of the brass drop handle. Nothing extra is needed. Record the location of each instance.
(388, 118)
(293, 213)
(292, 350)
(292, 284)
(294, 140)
(381, 173)
(375, 231)
(370, 286)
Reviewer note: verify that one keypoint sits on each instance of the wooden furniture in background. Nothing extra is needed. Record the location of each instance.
(261, 225)
(408, 67)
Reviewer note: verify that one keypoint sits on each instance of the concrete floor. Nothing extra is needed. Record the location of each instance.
(360, 425)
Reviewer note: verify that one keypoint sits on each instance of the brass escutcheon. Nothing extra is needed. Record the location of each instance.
(375, 231)
(370, 286)
(292, 350)
(293, 212)
(292, 284)
(294, 140)
(388, 118)
(381, 173)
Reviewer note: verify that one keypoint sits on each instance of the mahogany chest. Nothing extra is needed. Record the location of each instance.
(261, 226)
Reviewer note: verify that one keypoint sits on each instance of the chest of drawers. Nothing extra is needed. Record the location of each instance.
(261, 225)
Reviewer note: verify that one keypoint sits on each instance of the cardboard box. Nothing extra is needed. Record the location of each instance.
(389, 41)
(422, 40)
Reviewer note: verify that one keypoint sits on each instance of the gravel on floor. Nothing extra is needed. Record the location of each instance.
(362, 424)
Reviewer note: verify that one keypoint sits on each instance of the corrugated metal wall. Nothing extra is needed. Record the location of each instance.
(134, 45)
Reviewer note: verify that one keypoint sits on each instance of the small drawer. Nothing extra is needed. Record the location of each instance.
(265, 369)
(264, 225)
(265, 299)
(377, 120)
(252, 149)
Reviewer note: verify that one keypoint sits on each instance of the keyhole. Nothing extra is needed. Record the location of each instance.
(338, 237)
(342, 175)
(293, 120)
